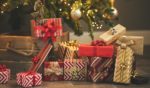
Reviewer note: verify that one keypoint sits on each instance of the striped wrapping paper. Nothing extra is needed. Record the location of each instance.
(4, 76)
(123, 65)
(75, 69)
(67, 50)
(101, 69)
(25, 79)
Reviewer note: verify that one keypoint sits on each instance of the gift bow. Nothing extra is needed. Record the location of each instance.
(35, 60)
(124, 45)
(49, 29)
(2, 67)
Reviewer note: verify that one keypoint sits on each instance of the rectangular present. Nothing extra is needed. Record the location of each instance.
(112, 34)
(138, 45)
(29, 79)
(96, 51)
(123, 65)
(101, 69)
(4, 75)
(75, 69)
(53, 70)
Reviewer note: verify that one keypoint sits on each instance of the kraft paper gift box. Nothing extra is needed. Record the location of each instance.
(53, 71)
(75, 69)
(138, 45)
(113, 34)
(101, 69)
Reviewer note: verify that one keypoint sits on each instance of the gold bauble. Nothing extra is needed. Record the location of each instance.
(110, 13)
(76, 14)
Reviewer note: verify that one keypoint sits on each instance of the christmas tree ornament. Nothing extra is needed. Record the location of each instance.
(110, 12)
(76, 14)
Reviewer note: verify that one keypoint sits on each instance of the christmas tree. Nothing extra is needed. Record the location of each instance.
(96, 13)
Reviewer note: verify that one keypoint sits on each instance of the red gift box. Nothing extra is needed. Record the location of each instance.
(96, 51)
(29, 79)
(4, 74)
(53, 70)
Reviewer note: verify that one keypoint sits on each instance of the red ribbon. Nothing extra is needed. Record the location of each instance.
(50, 29)
(2, 67)
(98, 43)
(35, 60)
(32, 73)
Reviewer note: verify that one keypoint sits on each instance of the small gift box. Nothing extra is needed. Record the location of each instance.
(67, 50)
(97, 49)
(4, 74)
(75, 69)
(53, 70)
(101, 69)
(113, 34)
(29, 79)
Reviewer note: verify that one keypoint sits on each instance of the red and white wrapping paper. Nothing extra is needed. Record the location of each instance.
(4, 74)
(29, 79)
(53, 70)
(75, 69)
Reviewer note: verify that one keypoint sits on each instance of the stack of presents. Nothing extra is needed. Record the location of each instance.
(109, 59)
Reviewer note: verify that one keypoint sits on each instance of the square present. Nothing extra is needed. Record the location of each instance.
(4, 74)
(75, 69)
(113, 34)
(101, 69)
(53, 70)
(29, 79)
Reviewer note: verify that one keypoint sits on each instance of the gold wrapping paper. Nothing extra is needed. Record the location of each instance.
(123, 65)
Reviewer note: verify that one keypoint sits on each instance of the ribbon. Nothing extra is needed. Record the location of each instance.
(35, 60)
(49, 29)
(98, 43)
(3, 68)
(74, 71)
(34, 77)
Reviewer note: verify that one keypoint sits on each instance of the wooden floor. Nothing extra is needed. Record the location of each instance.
(143, 67)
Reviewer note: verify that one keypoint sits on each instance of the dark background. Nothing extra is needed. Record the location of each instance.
(134, 14)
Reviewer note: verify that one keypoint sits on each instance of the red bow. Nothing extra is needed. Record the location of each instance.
(98, 43)
(35, 60)
(2, 67)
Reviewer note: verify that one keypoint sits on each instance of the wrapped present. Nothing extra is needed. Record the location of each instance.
(40, 58)
(29, 79)
(96, 51)
(138, 45)
(113, 34)
(67, 50)
(47, 28)
(4, 74)
(75, 69)
(53, 70)
(124, 63)
(101, 69)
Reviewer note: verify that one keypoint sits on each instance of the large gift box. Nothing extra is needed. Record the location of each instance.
(96, 51)
(101, 69)
(29, 79)
(75, 69)
(53, 70)
(123, 65)
(4, 74)
(113, 34)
